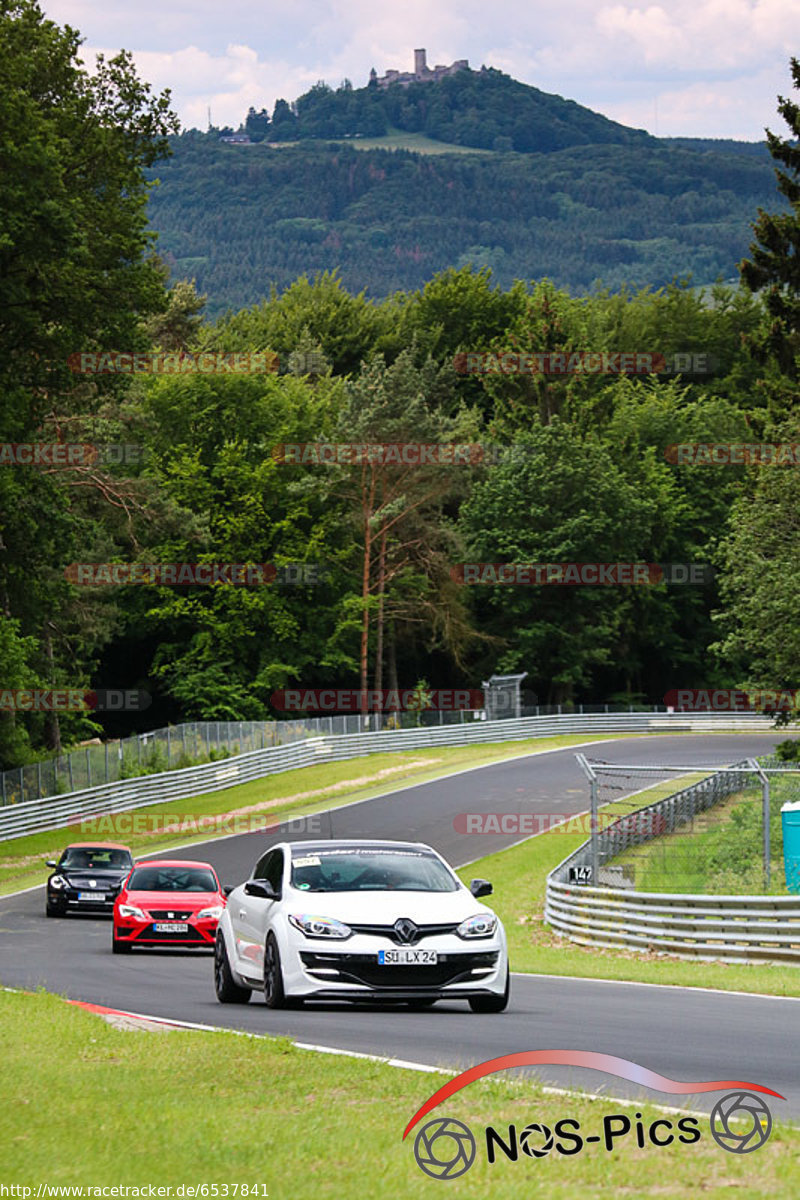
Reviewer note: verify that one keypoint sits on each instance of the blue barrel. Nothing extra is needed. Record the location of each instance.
(790, 818)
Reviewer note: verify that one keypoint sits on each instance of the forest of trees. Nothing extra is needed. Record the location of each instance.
(238, 218)
(591, 479)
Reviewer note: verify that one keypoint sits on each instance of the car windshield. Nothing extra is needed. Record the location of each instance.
(369, 870)
(172, 879)
(101, 858)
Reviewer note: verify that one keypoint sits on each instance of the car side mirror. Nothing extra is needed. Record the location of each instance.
(227, 889)
(480, 887)
(51, 862)
(260, 888)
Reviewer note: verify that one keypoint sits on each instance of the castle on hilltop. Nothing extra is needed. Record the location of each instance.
(422, 73)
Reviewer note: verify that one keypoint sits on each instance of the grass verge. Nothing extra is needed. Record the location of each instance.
(398, 139)
(721, 851)
(519, 876)
(288, 794)
(88, 1104)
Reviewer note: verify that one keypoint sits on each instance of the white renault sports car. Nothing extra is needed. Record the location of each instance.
(360, 920)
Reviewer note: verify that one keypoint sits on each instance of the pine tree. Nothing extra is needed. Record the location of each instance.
(775, 263)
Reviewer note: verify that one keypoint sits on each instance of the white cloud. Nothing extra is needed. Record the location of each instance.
(712, 67)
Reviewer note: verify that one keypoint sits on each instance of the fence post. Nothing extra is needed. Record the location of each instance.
(594, 839)
(169, 748)
(595, 833)
(765, 815)
(39, 779)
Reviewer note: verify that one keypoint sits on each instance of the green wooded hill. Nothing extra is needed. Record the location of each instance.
(486, 109)
(239, 219)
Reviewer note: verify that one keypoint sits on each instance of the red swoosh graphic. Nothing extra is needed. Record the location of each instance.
(621, 1067)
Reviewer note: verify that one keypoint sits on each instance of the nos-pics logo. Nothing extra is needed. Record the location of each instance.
(740, 1122)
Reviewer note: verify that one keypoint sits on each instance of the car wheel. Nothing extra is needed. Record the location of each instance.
(492, 1004)
(228, 991)
(120, 947)
(274, 994)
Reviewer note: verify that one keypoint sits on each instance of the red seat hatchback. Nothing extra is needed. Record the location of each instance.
(169, 903)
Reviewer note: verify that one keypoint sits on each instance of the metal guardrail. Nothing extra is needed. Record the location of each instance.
(174, 747)
(55, 812)
(720, 928)
(170, 748)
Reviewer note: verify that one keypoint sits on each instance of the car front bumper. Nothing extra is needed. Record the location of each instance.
(67, 900)
(352, 970)
(143, 933)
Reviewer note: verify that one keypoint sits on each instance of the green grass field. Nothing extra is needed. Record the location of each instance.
(721, 853)
(397, 139)
(86, 1104)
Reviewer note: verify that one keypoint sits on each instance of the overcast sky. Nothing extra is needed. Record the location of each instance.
(698, 68)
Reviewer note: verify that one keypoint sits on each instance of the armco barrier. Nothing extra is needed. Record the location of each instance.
(54, 812)
(723, 928)
(719, 928)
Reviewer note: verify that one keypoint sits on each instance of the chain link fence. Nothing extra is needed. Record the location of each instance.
(720, 834)
(195, 742)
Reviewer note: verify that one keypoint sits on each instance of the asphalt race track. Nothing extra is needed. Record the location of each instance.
(683, 1033)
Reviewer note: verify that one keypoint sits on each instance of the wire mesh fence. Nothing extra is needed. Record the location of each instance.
(195, 742)
(718, 834)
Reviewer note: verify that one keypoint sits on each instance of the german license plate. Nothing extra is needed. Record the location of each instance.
(405, 958)
(171, 927)
(91, 895)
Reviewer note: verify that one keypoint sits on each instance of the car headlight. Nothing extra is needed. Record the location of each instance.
(324, 927)
(482, 925)
(58, 882)
(130, 910)
(211, 913)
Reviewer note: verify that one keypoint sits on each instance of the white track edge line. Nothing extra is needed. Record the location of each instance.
(400, 1063)
(678, 987)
